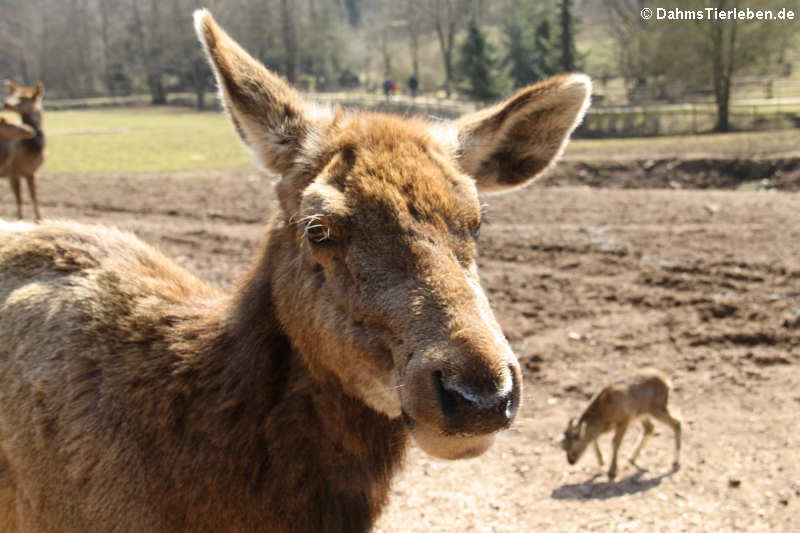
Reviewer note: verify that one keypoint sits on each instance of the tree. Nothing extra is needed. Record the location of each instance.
(569, 55)
(724, 49)
(530, 56)
(447, 17)
(712, 51)
(479, 65)
(416, 25)
(289, 42)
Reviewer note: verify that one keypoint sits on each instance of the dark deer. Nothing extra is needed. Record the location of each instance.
(136, 397)
(22, 145)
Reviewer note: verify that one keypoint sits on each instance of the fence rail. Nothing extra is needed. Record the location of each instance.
(600, 121)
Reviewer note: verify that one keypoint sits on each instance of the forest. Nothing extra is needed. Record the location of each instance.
(472, 49)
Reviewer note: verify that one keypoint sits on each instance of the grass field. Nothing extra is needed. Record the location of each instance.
(147, 139)
(140, 139)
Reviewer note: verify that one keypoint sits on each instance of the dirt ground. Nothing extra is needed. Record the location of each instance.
(589, 285)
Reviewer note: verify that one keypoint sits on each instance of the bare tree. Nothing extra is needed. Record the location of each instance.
(712, 51)
(416, 25)
(448, 18)
(289, 41)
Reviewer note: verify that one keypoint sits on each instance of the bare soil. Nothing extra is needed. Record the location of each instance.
(589, 284)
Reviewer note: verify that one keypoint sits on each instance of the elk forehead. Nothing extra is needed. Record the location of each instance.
(388, 172)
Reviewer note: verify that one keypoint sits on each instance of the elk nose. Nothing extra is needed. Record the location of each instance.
(478, 407)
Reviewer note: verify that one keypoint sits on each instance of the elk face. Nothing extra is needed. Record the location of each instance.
(573, 441)
(376, 282)
(23, 100)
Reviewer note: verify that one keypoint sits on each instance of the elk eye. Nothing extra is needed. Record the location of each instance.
(476, 233)
(318, 235)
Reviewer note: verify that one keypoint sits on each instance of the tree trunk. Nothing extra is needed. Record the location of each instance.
(201, 98)
(723, 43)
(446, 47)
(567, 39)
(104, 38)
(289, 42)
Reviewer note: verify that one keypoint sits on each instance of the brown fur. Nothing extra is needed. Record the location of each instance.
(22, 145)
(615, 407)
(135, 397)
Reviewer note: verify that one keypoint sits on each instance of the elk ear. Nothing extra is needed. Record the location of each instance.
(509, 144)
(38, 90)
(582, 431)
(269, 116)
(10, 86)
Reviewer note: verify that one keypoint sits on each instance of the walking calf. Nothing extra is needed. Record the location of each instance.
(617, 405)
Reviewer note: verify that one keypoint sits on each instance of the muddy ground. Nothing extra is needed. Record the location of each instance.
(589, 285)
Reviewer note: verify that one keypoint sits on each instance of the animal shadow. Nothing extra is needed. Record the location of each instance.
(604, 490)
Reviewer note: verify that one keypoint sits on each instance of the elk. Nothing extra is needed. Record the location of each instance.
(615, 407)
(22, 145)
(136, 397)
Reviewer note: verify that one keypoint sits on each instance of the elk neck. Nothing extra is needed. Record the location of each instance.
(34, 120)
(244, 398)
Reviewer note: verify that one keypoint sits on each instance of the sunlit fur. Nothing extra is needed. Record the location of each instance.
(135, 397)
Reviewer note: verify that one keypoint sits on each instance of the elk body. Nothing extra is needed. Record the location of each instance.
(135, 397)
(22, 145)
(644, 396)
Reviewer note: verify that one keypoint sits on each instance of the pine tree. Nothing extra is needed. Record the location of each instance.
(569, 55)
(518, 55)
(544, 60)
(480, 66)
(531, 57)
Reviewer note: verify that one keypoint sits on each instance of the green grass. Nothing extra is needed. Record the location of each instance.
(140, 139)
(149, 139)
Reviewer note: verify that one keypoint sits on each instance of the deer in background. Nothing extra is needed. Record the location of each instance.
(615, 407)
(136, 397)
(22, 145)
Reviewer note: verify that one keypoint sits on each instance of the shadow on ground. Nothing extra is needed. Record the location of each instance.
(591, 490)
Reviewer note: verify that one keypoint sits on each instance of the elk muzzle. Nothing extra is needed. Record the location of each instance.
(457, 397)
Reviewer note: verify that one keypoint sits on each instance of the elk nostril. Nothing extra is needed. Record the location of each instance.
(480, 408)
(448, 400)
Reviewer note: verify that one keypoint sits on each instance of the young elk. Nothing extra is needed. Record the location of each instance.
(135, 397)
(22, 145)
(617, 405)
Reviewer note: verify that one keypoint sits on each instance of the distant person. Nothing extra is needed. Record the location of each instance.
(389, 87)
(413, 85)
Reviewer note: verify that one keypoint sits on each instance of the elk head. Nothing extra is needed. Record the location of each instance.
(23, 100)
(574, 440)
(375, 280)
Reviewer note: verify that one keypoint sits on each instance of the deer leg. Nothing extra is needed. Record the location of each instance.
(675, 424)
(647, 430)
(15, 186)
(597, 453)
(618, 435)
(31, 179)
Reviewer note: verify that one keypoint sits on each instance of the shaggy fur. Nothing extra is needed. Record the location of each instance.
(135, 397)
(22, 145)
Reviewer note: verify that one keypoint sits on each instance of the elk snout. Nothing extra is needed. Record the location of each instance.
(572, 458)
(465, 394)
(479, 406)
